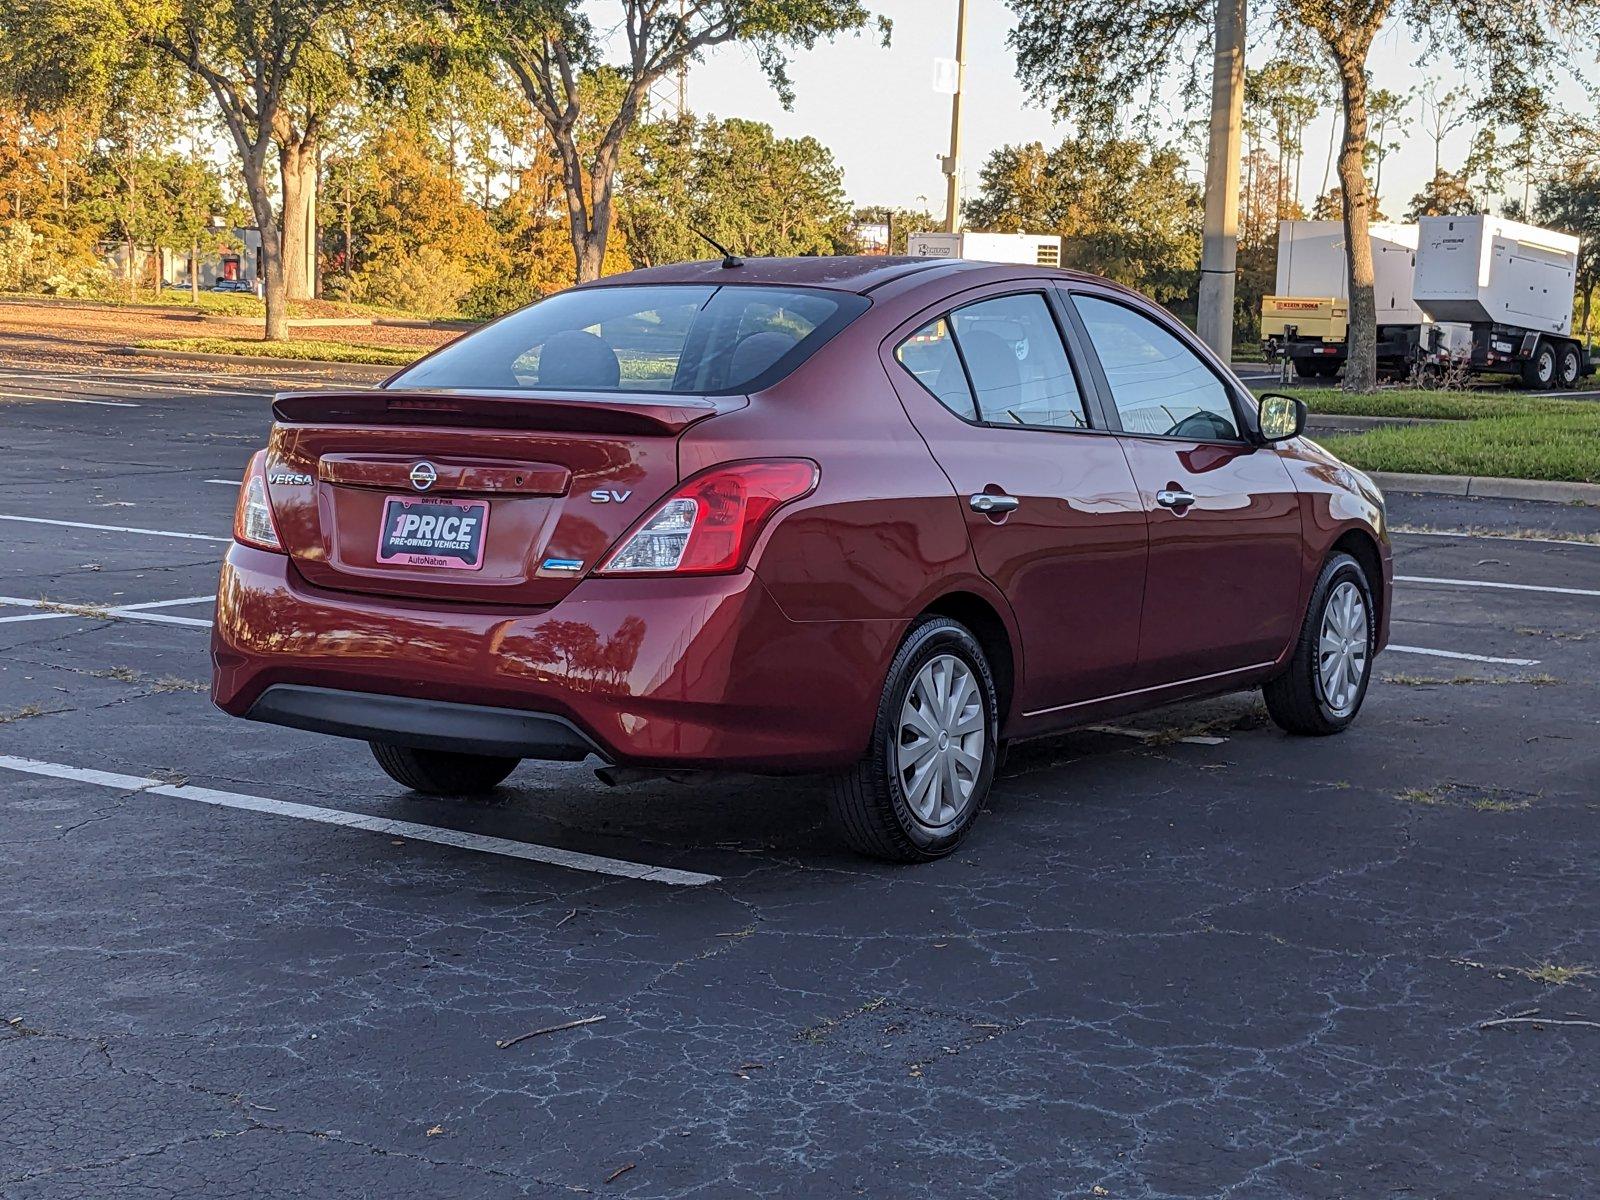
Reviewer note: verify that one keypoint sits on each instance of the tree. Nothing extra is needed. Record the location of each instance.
(734, 181)
(1090, 58)
(1123, 207)
(1445, 195)
(1284, 97)
(551, 46)
(1571, 202)
(1388, 120)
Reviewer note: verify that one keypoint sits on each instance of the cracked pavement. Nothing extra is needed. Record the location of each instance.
(1157, 969)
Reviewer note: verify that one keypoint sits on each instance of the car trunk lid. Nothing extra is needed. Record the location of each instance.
(531, 488)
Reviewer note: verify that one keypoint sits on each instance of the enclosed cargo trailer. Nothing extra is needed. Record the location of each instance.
(1512, 284)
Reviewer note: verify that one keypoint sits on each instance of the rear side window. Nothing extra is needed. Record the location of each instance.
(675, 338)
(930, 355)
(1000, 361)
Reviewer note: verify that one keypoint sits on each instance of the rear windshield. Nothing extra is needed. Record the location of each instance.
(669, 338)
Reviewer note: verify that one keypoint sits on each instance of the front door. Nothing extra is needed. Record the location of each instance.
(1055, 520)
(1223, 589)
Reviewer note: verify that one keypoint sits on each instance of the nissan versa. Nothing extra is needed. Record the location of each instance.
(869, 516)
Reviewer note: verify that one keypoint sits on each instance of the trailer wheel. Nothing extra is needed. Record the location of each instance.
(1569, 366)
(1305, 369)
(1540, 370)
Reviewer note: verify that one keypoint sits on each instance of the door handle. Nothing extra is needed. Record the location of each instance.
(993, 502)
(1168, 498)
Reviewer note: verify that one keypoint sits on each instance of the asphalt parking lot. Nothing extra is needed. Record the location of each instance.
(1183, 956)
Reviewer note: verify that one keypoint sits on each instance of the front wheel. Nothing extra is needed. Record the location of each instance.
(919, 789)
(1326, 681)
(441, 772)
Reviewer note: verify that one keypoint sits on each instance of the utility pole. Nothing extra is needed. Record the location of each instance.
(952, 165)
(1219, 256)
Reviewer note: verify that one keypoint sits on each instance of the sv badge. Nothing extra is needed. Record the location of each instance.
(609, 496)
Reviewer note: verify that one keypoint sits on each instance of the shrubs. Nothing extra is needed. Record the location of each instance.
(424, 280)
(498, 295)
(45, 258)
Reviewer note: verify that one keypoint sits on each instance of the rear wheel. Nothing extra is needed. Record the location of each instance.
(1326, 681)
(919, 789)
(440, 772)
(1540, 370)
(1569, 366)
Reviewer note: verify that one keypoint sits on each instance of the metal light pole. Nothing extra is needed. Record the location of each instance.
(952, 164)
(1219, 256)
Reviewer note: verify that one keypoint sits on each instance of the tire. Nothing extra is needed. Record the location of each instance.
(1300, 700)
(1327, 370)
(1540, 370)
(441, 773)
(1569, 367)
(1306, 369)
(875, 811)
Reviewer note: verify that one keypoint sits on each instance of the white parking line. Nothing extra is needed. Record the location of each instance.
(229, 482)
(66, 399)
(197, 537)
(529, 851)
(51, 611)
(1483, 658)
(1489, 583)
(1145, 735)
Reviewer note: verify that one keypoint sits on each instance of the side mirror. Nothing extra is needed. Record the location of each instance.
(1282, 417)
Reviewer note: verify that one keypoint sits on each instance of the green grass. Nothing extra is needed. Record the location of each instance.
(1541, 445)
(1415, 402)
(229, 304)
(308, 349)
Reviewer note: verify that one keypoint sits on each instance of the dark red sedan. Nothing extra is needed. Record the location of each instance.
(870, 516)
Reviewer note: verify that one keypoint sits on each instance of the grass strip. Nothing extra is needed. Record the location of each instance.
(307, 349)
(1416, 402)
(1561, 446)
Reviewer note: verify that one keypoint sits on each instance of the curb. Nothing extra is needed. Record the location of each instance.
(1486, 487)
(376, 371)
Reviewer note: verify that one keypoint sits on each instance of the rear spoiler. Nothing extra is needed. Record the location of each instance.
(495, 410)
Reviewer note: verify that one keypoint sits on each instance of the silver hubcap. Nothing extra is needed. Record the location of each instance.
(1342, 648)
(941, 743)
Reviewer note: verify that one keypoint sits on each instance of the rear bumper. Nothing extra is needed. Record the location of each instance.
(425, 724)
(705, 673)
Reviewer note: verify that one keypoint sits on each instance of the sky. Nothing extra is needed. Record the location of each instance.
(877, 109)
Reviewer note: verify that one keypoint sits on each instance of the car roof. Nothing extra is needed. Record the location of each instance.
(859, 273)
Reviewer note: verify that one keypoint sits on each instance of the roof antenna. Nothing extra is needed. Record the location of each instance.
(729, 260)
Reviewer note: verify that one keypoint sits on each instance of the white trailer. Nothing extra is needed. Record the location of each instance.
(1311, 263)
(1034, 249)
(1513, 285)
(1305, 322)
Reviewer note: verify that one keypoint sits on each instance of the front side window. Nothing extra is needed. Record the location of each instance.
(1158, 384)
(675, 338)
(1000, 361)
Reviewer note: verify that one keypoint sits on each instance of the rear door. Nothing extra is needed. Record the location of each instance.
(1223, 589)
(1054, 518)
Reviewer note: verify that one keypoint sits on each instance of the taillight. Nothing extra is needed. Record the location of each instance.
(252, 521)
(709, 524)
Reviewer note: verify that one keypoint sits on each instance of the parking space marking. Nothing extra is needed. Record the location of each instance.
(229, 482)
(1145, 735)
(529, 851)
(1489, 583)
(58, 399)
(1483, 658)
(52, 610)
(198, 537)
